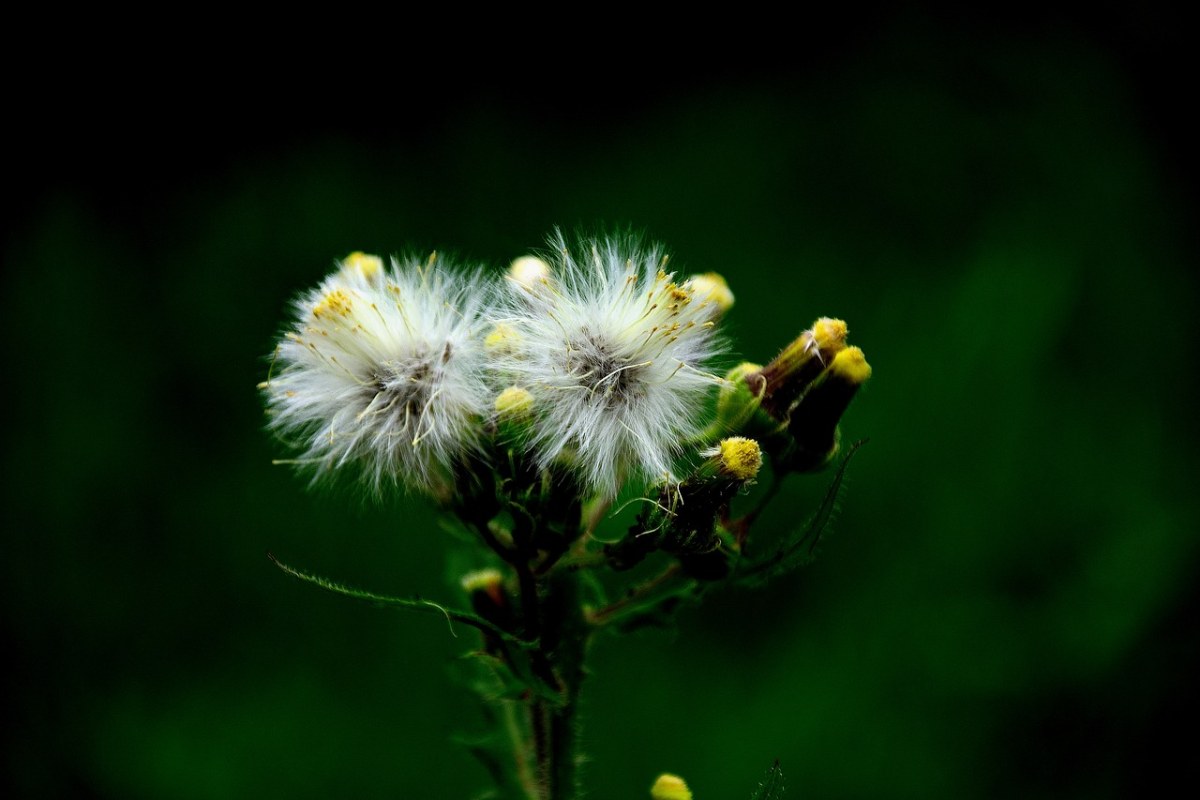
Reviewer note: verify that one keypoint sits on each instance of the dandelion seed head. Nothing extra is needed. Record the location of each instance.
(382, 371)
(614, 352)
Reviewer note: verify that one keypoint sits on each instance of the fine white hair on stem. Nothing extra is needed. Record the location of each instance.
(383, 372)
(614, 351)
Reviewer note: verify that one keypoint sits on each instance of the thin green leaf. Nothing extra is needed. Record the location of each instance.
(771, 786)
(798, 550)
(414, 603)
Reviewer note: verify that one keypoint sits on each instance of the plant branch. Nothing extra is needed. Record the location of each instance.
(606, 615)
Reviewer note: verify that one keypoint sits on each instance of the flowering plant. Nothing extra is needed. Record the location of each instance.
(528, 409)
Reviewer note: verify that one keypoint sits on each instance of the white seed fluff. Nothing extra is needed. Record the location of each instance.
(383, 371)
(613, 351)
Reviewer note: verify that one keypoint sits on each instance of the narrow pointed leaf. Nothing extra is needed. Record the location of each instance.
(771, 786)
(798, 550)
(414, 603)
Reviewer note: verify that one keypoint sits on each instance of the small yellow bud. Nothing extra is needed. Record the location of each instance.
(481, 580)
(851, 365)
(790, 374)
(502, 340)
(514, 403)
(670, 787)
(829, 336)
(529, 272)
(742, 371)
(739, 398)
(741, 457)
(485, 587)
(370, 267)
(710, 287)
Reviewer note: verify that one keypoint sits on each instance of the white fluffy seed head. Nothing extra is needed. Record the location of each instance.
(614, 352)
(383, 371)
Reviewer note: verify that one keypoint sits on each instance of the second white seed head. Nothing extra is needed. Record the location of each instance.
(614, 353)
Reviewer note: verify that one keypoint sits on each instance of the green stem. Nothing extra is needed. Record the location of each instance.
(565, 635)
(634, 599)
(513, 729)
(553, 623)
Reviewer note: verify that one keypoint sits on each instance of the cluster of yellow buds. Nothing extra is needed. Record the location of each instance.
(793, 404)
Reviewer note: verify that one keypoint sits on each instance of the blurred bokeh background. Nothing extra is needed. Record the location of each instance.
(1003, 212)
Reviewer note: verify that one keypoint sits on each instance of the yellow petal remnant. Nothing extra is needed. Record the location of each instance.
(741, 457)
(711, 287)
(514, 403)
(670, 787)
(362, 264)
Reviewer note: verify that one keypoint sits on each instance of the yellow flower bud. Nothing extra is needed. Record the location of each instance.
(481, 580)
(370, 267)
(529, 272)
(739, 399)
(670, 787)
(485, 588)
(502, 341)
(514, 404)
(851, 366)
(712, 289)
(790, 374)
(741, 458)
(829, 336)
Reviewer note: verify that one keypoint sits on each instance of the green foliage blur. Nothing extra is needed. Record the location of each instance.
(1005, 606)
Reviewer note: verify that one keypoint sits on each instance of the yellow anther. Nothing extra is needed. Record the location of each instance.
(336, 303)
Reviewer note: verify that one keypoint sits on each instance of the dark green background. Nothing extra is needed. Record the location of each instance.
(1003, 213)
